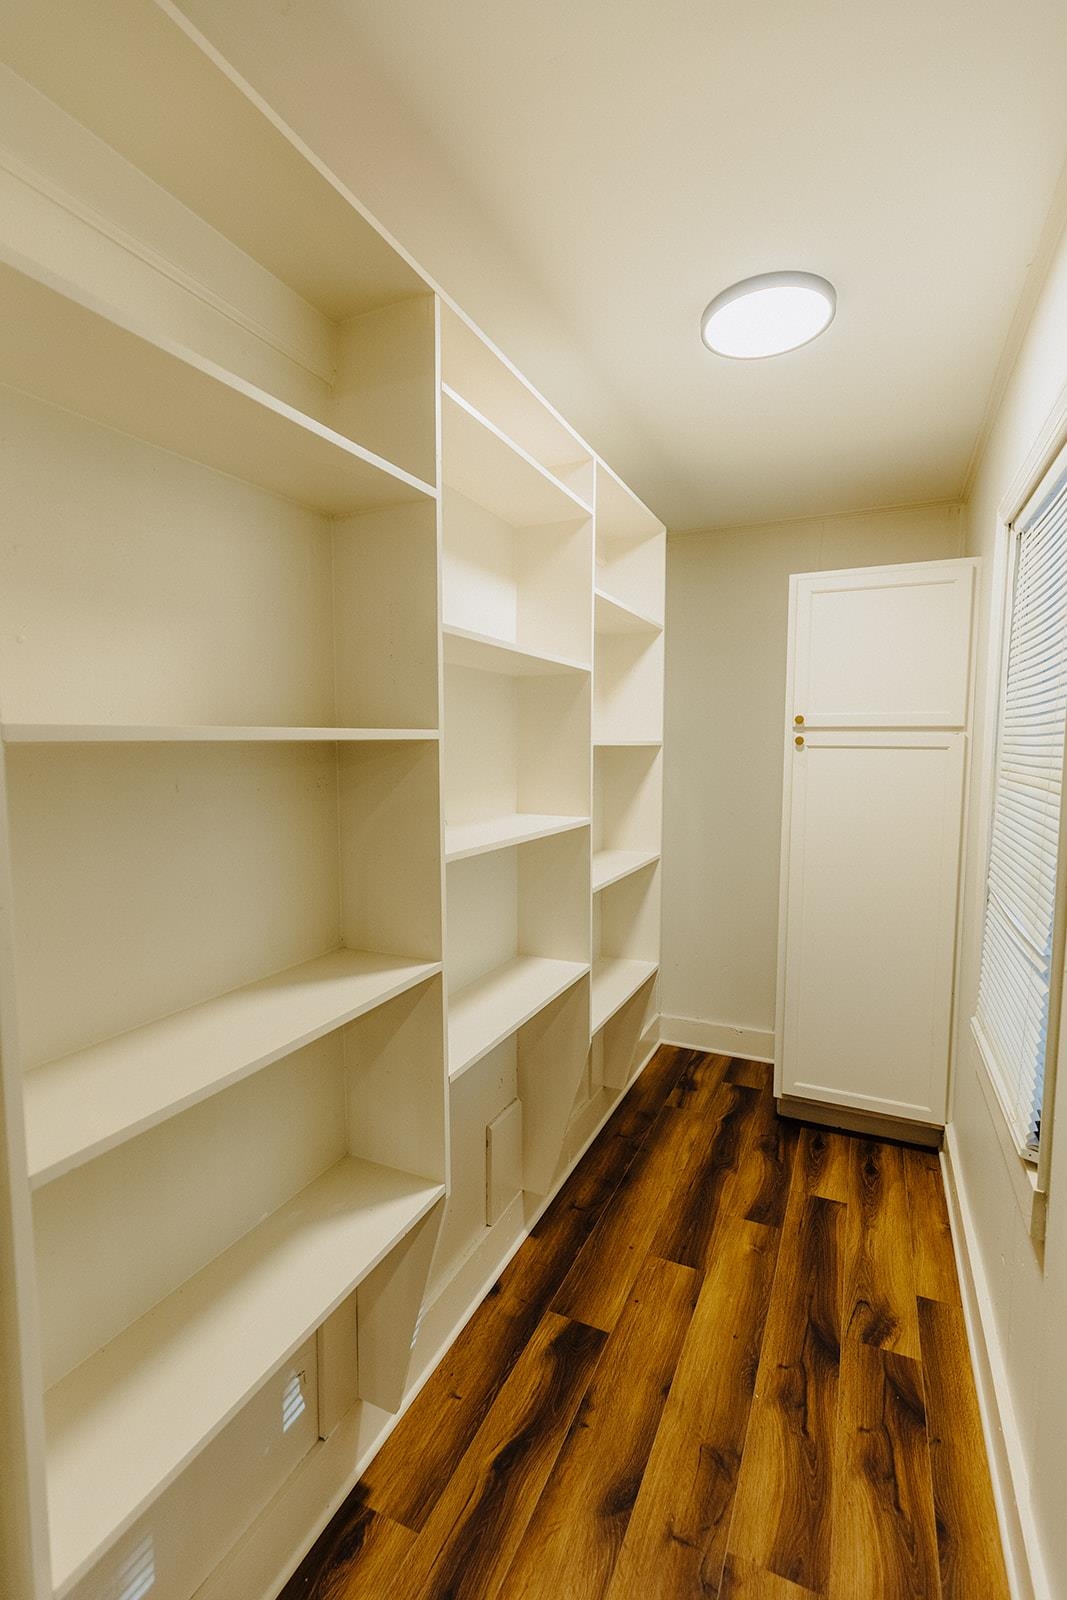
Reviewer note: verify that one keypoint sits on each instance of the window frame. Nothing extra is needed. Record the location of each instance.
(1045, 464)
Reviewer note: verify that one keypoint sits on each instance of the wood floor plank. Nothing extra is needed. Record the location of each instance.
(675, 1543)
(880, 1281)
(970, 1554)
(573, 1538)
(761, 1189)
(781, 1517)
(934, 1261)
(884, 1540)
(470, 1538)
(700, 1077)
(698, 1185)
(743, 1580)
(416, 1462)
(836, 1456)
(822, 1162)
(356, 1558)
(751, 1074)
(598, 1284)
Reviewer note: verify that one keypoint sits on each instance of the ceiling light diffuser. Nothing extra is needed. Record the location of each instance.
(768, 314)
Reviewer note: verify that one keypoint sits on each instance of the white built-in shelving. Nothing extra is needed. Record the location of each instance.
(464, 648)
(463, 839)
(497, 1005)
(610, 866)
(148, 733)
(614, 617)
(614, 982)
(163, 1388)
(85, 1103)
(330, 764)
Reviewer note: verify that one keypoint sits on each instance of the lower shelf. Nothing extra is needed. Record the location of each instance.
(609, 866)
(124, 1424)
(614, 981)
(464, 839)
(491, 1009)
(86, 1103)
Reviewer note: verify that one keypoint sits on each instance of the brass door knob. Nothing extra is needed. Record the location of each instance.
(799, 721)
(798, 741)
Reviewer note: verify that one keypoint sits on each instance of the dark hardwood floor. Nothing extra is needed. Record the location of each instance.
(729, 1362)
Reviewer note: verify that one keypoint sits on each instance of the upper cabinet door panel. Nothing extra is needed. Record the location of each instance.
(883, 647)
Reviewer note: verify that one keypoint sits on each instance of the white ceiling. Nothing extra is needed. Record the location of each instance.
(639, 155)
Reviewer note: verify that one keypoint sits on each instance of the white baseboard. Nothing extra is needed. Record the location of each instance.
(718, 1038)
(1027, 1577)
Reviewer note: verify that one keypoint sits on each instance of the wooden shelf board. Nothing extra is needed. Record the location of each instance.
(614, 616)
(123, 1424)
(60, 345)
(83, 1104)
(494, 1007)
(628, 744)
(621, 516)
(464, 648)
(489, 468)
(609, 866)
(614, 981)
(235, 163)
(463, 839)
(207, 733)
(476, 370)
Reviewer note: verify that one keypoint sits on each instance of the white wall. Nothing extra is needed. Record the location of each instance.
(1026, 1307)
(727, 610)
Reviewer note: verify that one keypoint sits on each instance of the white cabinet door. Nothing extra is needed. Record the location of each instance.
(869, 911)
(882, 647)
(879, 658)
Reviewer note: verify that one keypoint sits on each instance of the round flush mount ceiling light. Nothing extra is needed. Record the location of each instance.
(768, 314)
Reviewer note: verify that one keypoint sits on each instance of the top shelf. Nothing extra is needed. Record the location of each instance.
(228, 157)
(207, 733)
(57, 344)
(485, 465)
(472, 367)
(620, 515)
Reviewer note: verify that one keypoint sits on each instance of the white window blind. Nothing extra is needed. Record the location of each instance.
(1020, 920)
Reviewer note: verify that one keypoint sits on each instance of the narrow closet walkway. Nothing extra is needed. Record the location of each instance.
(730, 1362)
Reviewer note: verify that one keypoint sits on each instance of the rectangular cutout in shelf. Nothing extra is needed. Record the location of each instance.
(86, 1103)
(496, 1006)
(610, 866)
(614, 616)
(123, 1424)
(150, 733)
(464, 648)
(464, 839)
(72, 353)
(614, 981)
(486, 466)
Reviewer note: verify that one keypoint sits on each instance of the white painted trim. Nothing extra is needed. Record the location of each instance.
(1027, 1576)
(718, 1038)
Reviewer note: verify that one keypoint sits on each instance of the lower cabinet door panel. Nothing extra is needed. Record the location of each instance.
(869, 904)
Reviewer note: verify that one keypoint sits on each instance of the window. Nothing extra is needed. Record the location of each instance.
(1022, 943)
